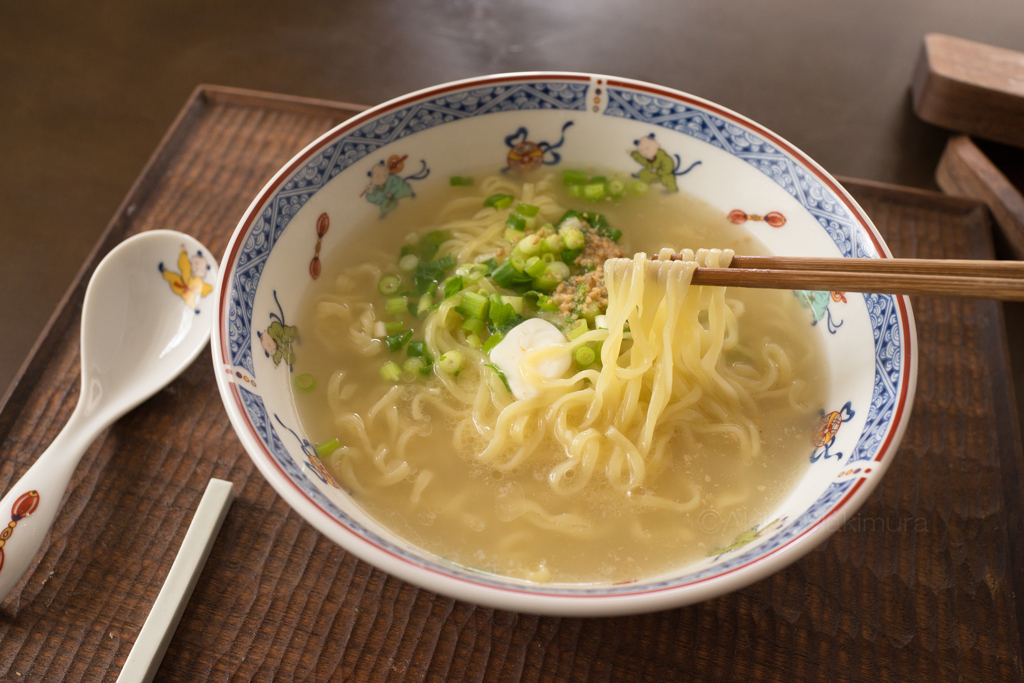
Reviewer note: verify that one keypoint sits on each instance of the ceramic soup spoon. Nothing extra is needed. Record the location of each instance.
(147, 315)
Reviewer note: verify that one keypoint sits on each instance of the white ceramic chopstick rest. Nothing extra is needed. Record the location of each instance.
(148, 651)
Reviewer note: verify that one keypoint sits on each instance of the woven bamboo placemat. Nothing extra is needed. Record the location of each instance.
(919, 585)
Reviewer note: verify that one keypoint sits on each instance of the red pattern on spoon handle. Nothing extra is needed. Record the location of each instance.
(24, 506)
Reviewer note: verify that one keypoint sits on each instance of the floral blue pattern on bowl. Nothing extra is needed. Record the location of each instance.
(676, 138)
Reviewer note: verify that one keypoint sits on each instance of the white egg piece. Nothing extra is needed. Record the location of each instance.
(510, 353)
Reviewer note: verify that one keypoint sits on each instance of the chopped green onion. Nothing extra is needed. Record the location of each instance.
(640, 187)
(451, 362)
(508, 277)
(515, 222)
(460, 181)
(424, 304)
(518, 262)
(597, 179)
(546, 282)
(559, 269)
(584, 356)
(395, 342)
(577, 328)
(473, 305)
(529, 245)
(552, 243)
(547, 258)
(594, 191)
(576, 190)
(396, 305)
(616, 187)
(325, 449)
(614, 234)
(473, 341)
(569, 256)
(417, 365)
(546, 303)
(390, 371)
(601, 322)
(534, 266)
(492, 341)
(305, 382)
(572, 238)
(394, 327)
(516, 302)
(527, 210)
(474, 325)
(417, 348)
(574, 178)
(430, 273)
(408, 262)
(512, 236)
(499, 201)
(389, 284)
(452, 286)
(530, 223)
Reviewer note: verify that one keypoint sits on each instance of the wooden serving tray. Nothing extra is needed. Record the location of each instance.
(920, 585)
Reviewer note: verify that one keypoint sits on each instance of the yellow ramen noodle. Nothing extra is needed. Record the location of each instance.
(681, 420)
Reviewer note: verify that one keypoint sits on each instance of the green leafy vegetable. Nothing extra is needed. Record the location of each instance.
(492, 341)
(501, 330)
(501, 375)
(428, 246)
(417, 348)
(452, 286)
(395, 342)
(429, 273)
(502, 313)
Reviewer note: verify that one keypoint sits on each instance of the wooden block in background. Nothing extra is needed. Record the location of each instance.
(965, 171)
(971, 87)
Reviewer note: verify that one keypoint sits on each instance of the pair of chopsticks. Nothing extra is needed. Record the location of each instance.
(1001, 280)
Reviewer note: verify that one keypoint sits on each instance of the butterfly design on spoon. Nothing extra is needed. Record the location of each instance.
(189, 284)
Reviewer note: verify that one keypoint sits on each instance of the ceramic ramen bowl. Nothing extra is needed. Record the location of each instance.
(523, 120)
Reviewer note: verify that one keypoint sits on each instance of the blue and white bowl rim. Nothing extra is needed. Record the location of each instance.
(306, 173)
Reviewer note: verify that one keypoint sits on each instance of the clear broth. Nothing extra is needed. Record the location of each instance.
(462, 516)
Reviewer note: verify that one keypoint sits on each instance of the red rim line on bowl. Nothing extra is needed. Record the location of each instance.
(897, 424)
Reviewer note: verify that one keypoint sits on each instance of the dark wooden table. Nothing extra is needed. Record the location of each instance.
(87, 91)
(921, 584)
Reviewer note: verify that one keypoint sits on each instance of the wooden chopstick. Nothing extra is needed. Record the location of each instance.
(1001, 280)
(908, 266)
(1003, 289)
